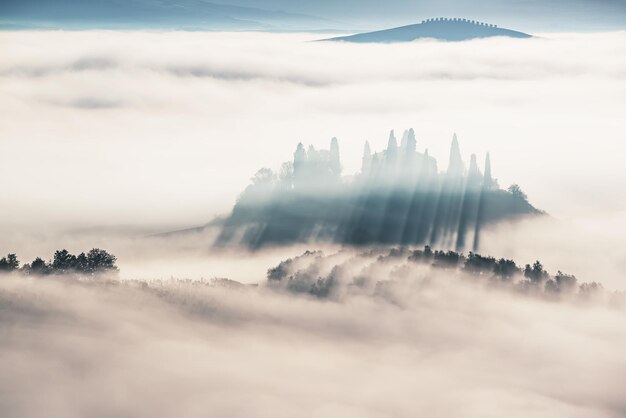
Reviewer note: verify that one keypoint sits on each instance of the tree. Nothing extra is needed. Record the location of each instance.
(422, 256)
(280, 271)
(478, 264)
(516, 191)
(285, 174)
(9, 263)
(63, 261)
(264, 176)
(536, 273)
(450, 259)
(505, 268)
(587, 290)
(82, 264)
(100, 261)
(565, 282)
(38, 266)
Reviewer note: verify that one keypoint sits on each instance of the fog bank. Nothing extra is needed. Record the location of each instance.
(428, 346)
(110, 128)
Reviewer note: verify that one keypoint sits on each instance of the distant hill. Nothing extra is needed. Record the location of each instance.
(182, 14)
(440, 28)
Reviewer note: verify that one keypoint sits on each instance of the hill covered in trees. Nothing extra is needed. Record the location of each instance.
(398, 197)
(373, 271)
(441, 28)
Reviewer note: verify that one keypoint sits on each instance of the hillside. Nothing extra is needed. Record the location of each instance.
(440, 28)
(399, 197)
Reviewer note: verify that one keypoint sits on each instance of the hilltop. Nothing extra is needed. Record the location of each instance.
(399, 197)
(444, 29)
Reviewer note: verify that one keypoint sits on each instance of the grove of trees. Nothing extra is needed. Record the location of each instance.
(96, 261)
(527, 278)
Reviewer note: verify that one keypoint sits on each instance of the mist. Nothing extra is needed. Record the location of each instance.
(222, 259)
(407, 340)
(111, 137)
(144, 128)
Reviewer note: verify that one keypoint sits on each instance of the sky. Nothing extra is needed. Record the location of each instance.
(350, 15)
(544, 15)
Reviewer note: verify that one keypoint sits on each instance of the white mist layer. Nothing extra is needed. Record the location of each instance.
(149, 128)
(591, 249)
(443, 347)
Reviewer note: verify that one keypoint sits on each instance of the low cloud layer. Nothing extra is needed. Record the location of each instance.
(158, 128)
(157, 131)
(431, 343)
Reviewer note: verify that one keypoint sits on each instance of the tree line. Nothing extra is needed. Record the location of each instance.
(95, 261)
(529, 276)
(501, 268)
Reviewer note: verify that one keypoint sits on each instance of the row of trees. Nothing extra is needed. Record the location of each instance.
(502, 268)
(302, 274)
(93, 262)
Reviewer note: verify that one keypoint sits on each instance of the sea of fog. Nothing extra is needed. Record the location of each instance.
(396, 340)
(152, 128)
(109, 138)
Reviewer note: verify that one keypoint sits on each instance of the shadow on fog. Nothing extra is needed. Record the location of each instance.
(398, 197)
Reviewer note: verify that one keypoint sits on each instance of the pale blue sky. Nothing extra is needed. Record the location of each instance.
(529, 15)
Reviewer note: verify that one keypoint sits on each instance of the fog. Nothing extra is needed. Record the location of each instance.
(113, 139)
(164, 129)
(419, 342)
(110, 137)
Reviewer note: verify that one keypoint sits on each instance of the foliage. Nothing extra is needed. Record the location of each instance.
(506, 268)
(516, 191)
(96, 261)
(536, 273)
(478, 264)
(289, 274)
(9, 263)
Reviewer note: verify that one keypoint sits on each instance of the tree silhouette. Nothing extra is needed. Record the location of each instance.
(9, 263)
(100, 261)
(506, 268)
(536, 273)
(94, 262)
(476, 263)
(264, 176)
(82, 264)
(63, 261)
(298, 277)
(516, 191)
(446, 260)
(561, 283)
(38, 266)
